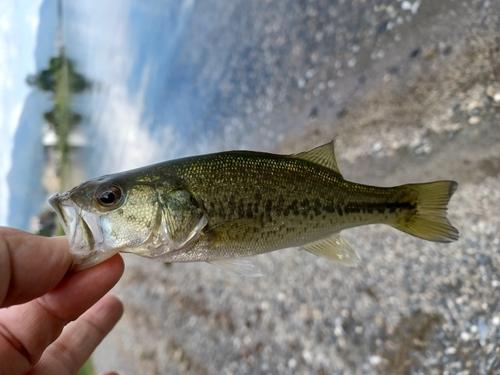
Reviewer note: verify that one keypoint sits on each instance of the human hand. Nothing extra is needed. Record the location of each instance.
(38, 299)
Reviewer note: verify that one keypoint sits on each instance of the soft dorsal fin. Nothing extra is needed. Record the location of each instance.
(322, 155)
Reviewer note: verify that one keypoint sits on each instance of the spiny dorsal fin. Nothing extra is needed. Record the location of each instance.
(334, 248)
(322, 155)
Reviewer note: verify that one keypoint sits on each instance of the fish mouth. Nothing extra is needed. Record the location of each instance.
(83, 231)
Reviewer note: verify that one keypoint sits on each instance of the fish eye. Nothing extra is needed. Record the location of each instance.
(109, 196)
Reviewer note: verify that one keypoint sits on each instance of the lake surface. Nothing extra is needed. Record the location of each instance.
(169, 79)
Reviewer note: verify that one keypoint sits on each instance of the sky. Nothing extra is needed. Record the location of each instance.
(18, 27)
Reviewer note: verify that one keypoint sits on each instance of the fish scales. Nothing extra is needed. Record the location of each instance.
(241, 203)
(286, 196)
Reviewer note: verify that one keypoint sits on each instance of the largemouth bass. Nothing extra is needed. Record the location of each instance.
(220, 207)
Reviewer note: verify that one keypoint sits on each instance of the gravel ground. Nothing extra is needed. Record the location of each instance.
(411, 92)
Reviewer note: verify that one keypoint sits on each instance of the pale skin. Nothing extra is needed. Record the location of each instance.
(51, 320)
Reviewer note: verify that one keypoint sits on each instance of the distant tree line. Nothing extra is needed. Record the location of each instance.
(46, 80)
(62, 80)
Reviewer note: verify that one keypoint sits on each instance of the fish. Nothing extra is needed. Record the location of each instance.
(222, 208)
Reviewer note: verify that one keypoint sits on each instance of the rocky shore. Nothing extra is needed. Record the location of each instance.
(411, 92)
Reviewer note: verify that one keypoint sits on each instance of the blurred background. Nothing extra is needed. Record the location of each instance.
(410, 90)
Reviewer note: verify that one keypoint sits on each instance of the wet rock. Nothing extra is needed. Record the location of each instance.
(474, 120)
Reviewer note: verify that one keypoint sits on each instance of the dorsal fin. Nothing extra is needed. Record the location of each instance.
(322, 155)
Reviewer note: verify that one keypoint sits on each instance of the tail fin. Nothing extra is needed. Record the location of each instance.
(428, 220)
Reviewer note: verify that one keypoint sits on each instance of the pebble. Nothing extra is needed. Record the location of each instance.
(476, 111)
(491, 91)
(406, 5)
(494, 93)
(496, 320)
(375, 360)
(474, 120)
(465, 336)
(310, 73)
(415, 6)
(423, 149)
(307, 356)
(474, 105)
(450, 350)
(483, 329)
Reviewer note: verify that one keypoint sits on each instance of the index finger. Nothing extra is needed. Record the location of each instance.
(30, 265)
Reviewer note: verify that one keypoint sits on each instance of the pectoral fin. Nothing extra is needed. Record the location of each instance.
(334, 248)
(238, 266)
(184, 219)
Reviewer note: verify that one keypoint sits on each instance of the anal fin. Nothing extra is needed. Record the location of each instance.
(334, 248)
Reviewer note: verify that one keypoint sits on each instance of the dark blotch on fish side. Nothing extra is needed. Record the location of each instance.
(256, 208)
(317, 207)
(384, 208)
(294, 207)
(249, 211)
(305, 204)
(330, 208)
(269, 207)
(241, 208)
(279, 205)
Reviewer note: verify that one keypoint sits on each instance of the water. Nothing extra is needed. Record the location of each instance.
(157, 80)
(156, 73)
